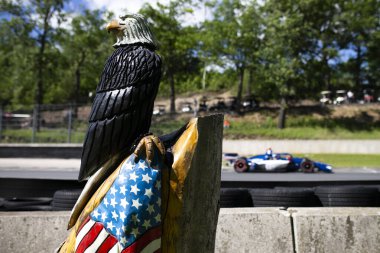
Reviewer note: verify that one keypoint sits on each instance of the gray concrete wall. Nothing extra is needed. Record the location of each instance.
(251, 147)
(264, 230)
(34, 232)
(349, 230)
(242, 147)
(240, 230)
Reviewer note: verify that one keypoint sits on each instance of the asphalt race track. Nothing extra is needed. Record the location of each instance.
(37, 168)
(68, 169)
(41, 177)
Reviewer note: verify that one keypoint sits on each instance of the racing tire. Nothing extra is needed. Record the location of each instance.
(230, 197)
(241, 165)
(30, 208)
(307, 166)
(377, 195)
(26, 204)
(65, 199)
(312, 201)
(345, 196)
(281, 197)
(23, 203)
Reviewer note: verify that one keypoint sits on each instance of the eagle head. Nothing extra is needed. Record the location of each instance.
(132, 29)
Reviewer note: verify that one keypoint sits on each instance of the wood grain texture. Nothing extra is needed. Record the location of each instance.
(190, 191)
(191, 197)
(123, 106)
(69, 245)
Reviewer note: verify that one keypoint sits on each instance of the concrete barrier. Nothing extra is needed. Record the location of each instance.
(264, 230)
(250, 147)
(37, 232)
(349, 230)
(40, 150)
(239, 230)
(242, 147)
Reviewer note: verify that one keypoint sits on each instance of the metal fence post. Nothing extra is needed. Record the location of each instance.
(69, 127)
(34, 126)
(1, 123)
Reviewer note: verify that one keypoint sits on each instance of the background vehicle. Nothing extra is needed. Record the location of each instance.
(368, 95)
(219, 105)
(249, 103)
(280, 162)
(341, 97)
(159, 110)
(203, 104)
(16, 120)
(186, 107)
(229, 159)
(325, 97)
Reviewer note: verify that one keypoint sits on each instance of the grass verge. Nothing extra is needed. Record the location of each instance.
(346, 160)
(44, 136)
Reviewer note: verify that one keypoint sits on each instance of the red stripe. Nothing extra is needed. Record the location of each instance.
(144, 240)
(90, 237)
(83, 224)
(108, 243)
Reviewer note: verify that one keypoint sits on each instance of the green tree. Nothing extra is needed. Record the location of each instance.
(282, 52)
(361, 25)
(85, 48)
(39, 15)
(321, 20)
(176, 42)
(373, 58)
(232, 37)
(15, 44)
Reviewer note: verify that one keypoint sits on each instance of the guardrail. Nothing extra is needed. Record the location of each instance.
(40, 150)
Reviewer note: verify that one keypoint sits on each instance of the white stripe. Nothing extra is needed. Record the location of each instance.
(152, 246)
(83, 232)
(98, 241)
(115, 249)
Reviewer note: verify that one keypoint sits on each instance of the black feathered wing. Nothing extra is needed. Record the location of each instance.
(123, 106)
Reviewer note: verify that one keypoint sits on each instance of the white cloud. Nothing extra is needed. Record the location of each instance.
(120, 7)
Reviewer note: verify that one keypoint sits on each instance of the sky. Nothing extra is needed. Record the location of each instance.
(117, 7)
(120, 7)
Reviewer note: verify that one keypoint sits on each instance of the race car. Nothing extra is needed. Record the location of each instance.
(279, 162)
(229, 159)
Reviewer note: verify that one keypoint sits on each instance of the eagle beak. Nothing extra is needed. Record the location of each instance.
(113, 25)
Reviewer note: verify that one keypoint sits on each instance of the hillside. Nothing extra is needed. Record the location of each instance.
(354, 121)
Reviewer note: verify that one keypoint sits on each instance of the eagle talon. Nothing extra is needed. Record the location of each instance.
(147, 147)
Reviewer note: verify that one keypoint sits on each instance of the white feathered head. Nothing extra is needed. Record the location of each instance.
(132, 29)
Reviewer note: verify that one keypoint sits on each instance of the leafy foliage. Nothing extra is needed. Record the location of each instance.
(276, 50)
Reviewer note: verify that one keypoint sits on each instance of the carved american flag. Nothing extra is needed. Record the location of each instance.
(128, 219)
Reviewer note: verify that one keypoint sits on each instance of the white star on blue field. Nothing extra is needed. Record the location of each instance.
(132, 206)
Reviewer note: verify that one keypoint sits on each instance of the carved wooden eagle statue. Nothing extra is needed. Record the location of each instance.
(123, 105)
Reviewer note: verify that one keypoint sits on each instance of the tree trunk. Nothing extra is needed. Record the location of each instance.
(282, 116)
(40, 70)
(172, 93)
(358, 66)
(76, 94)
(326, 72)
(204, 77)
(240, 88)
(38, 100)
(249, 84)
